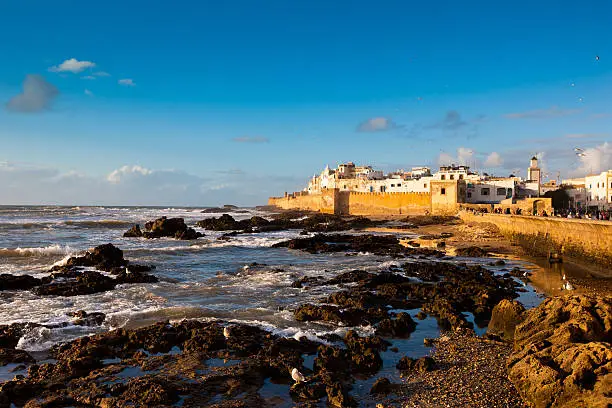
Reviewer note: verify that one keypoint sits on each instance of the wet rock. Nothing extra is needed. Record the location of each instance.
(428, 342)
(86, 283)
(420, 365)
(82, 318)
(383, 386)
(165, 227)
(12, 356)
(10, 334)
(421, 315)
(133, 232)
(103, 257)
(402, 325)
(472, 252)
(562, 353)
(18, 282)
(338, 397)
(308, 391)
(506, 315)
(376, 244)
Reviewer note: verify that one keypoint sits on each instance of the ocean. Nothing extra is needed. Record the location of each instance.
(200, 279)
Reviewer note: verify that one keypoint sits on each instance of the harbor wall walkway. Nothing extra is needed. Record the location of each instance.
(585, 239)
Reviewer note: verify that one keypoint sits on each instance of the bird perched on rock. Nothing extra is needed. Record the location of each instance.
(568, 286)
(297, 376)
(226, 332)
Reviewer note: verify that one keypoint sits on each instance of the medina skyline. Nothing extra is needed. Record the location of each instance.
(204, 104)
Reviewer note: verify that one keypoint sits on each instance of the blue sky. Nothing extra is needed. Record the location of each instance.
(204, 102)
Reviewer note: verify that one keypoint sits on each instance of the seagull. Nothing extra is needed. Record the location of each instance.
(226, 332)
(572, 84)
(597, 58)
(246, 267)
(563, 277)
(297, 376)
(127, 271)
(568, 286)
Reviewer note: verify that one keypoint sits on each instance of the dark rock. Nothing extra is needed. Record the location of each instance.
(10, 334)
(12, 356)
(420, 365)
(338, 397)
(472, 252)
(402, 325)
(165, 227)
(308, 391)
(18, 282)
(382, 386)
(82, 318)
(86, 283)
(133, 232)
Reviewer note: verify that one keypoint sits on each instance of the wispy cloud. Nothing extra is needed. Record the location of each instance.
(101, 74)
(37, 95)
(378, 124)
(72, 65)
(251, 139)
(552, 112)
(88, 92)
(127, 82)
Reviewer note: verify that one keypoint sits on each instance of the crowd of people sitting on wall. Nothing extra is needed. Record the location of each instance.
(602, 215)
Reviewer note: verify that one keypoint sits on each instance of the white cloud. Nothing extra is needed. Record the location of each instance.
(37, 95)
(138, 185)
(102, 74)
(126, 172)
(126, 82)
(88, 77)
(595, 160)
(378, 124)
(493, 160)
(465, 156)
(72, 65)
(88, 92)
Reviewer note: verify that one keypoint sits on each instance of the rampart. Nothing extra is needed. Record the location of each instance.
(356, 203)
(586, 239)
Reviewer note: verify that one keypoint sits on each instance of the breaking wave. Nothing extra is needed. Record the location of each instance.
(50, 250)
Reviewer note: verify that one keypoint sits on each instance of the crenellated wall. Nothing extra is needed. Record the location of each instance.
(587, 239)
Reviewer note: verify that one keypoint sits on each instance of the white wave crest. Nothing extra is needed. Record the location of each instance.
(37, 251)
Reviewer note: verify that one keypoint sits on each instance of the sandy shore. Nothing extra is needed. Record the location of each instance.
(470, 372)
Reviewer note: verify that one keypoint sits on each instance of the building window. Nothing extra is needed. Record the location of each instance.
(443, 192)
(484, 191)
(344, 187)
(425, 185)
(501, 191)
(452, 177)
(443, 177)
(461, 177)
(469, 194)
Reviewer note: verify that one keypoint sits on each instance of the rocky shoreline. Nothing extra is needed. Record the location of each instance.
(218, 363)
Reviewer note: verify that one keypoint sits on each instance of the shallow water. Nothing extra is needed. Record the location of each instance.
(203, 279)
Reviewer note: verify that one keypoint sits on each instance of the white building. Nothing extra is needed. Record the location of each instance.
(598, 190)
(491, 191)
